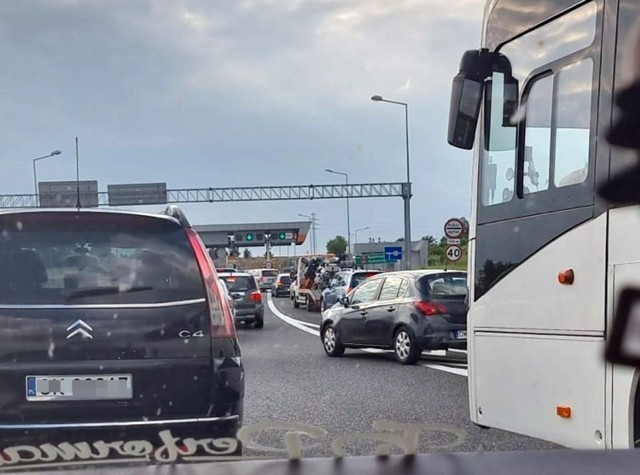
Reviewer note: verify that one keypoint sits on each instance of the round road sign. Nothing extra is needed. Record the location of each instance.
(453, 253)
(453, 228)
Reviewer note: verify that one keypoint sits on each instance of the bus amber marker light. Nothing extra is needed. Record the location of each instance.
(566, 277)
(563, 411)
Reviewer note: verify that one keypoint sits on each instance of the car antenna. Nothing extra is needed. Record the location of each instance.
(78, 204)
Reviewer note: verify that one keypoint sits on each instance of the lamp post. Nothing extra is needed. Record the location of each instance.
(346, 177)
(312, 241)
(406, 195)
(357, 231)
(35, 176)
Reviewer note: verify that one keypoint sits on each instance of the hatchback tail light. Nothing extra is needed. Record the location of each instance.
(429, 308)
(255, 296)
(222, 325)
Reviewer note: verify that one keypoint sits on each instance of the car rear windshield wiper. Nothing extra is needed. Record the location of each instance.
(105, 291)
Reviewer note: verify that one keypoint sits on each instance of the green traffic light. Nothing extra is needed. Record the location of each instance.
(249, 237)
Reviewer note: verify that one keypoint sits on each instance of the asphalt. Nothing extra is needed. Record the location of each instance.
(291, 383)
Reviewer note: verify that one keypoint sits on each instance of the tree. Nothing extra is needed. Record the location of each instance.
(246, 253)
(465, 225)
(429, 238)
(400, 239)
(337, 245)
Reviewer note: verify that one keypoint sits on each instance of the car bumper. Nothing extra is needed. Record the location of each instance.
(152, 431)
(249, 313)
(438, 334)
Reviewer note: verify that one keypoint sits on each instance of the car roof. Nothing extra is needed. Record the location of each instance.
(421, 272)
(234, 274)
(88, 211)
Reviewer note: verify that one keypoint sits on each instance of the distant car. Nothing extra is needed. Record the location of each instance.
(281, 285)
(342, 283)
(264, 277)
(227, 295)
(244, 290)
(142, 338)
(407, 312)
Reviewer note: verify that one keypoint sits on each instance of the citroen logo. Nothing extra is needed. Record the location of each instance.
(80, 327)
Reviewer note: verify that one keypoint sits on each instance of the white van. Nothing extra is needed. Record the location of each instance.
(264, 277)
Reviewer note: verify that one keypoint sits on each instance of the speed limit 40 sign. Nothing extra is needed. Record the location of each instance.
(453, 253)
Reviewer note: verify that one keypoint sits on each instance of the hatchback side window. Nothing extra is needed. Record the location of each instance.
(390, 288)
(366, 292)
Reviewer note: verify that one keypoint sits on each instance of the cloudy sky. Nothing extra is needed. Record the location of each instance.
(200, 93)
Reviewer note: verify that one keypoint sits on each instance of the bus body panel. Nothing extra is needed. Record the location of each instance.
(531, 299)
(542, 373)
(624, 271)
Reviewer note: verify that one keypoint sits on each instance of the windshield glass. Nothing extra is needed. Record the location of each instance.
(239, 283)
(234, 231)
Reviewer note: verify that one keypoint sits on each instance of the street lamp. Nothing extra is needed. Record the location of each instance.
(312, 241)
(357, 231)
(346, 177)
(406, 195)
(35, 179)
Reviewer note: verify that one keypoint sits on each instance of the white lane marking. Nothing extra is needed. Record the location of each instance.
(448, 369)
(312, 325)
(300, 325)
(289, 320)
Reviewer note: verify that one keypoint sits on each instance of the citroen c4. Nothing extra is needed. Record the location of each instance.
(113, 324)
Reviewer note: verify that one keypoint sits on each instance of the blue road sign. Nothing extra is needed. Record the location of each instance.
(392, 254)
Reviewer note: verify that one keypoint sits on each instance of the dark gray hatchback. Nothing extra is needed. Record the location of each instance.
(406, 311)
(113, 326)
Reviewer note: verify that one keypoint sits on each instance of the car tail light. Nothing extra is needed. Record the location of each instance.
(255, 296)
(428, 308)
(222, 325)
(261, 279)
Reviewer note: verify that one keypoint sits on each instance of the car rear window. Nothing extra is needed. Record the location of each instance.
(450, 285)
(269, 273)
(285, 279)
(239, 283)
(95, 258)
(359, 277)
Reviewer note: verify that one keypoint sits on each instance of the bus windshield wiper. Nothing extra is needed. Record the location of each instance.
(105, 291)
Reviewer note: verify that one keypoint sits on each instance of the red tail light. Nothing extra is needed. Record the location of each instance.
(261, 279)
(429, 309)
(255, 296)
(222, 325)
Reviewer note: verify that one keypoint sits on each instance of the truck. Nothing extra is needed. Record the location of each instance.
(313, 274)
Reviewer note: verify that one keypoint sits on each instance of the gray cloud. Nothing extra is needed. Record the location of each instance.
(201, 93)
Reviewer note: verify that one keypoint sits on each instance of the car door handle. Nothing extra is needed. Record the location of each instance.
(390, 309)
(363, 312)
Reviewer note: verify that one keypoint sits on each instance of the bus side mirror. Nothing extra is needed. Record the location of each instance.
(466, 97)
(468, 89)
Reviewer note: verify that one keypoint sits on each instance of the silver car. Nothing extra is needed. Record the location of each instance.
(243, 288)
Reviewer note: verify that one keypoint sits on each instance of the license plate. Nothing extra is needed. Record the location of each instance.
(461, 334)
(79, 387)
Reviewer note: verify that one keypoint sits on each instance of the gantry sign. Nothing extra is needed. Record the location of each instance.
(253, 234)
(156, 193)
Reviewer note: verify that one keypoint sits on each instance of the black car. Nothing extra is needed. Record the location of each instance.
(113, 325)
(406, 311)
(281, 285)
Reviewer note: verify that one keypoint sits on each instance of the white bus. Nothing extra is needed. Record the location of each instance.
(547, 257)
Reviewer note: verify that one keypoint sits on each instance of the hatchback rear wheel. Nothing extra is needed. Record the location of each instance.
(331, 343)
(404, 347)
